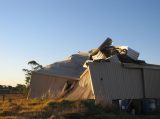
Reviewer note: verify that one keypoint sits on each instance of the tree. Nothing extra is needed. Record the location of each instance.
(20, 88)
(1, 86)
(28, 72)
(35, 66)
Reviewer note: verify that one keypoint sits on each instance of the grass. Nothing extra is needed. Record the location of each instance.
(21, 108)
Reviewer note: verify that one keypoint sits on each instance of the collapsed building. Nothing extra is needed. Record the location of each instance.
(63, 80)
(105, 74)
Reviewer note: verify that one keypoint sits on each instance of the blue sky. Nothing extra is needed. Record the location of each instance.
(50, 30)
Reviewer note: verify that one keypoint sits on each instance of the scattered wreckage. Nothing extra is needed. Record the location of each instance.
(108, 52)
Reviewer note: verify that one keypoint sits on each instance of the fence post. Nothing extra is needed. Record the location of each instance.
(3, 98)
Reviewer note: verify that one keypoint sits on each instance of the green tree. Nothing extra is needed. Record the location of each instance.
(1, 86)
(28, 72)
(20, 88)
(35, 66)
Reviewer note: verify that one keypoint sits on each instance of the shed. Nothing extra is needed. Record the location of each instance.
(112, 81)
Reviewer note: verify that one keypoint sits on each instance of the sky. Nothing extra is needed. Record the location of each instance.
(51, 30)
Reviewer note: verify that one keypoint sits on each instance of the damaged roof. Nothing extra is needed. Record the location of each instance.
(76, 64)
(71, 67)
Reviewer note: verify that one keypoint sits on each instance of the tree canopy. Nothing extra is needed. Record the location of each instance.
(28, 72)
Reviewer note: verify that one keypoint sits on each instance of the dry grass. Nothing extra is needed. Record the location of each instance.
(11, 96)
(17, 107)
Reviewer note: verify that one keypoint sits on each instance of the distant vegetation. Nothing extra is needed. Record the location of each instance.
(20, 88)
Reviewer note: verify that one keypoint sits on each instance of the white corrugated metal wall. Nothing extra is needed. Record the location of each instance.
(47, 86)
(51, 86)
(83, 89)
(112, 81)
(152, 83)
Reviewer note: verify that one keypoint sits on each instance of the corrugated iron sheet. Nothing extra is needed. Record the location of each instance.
(129, 52)
(45, 86)
(98, 56)
(152, 83)
(83, 89)
(113, 81)
(141, 66)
